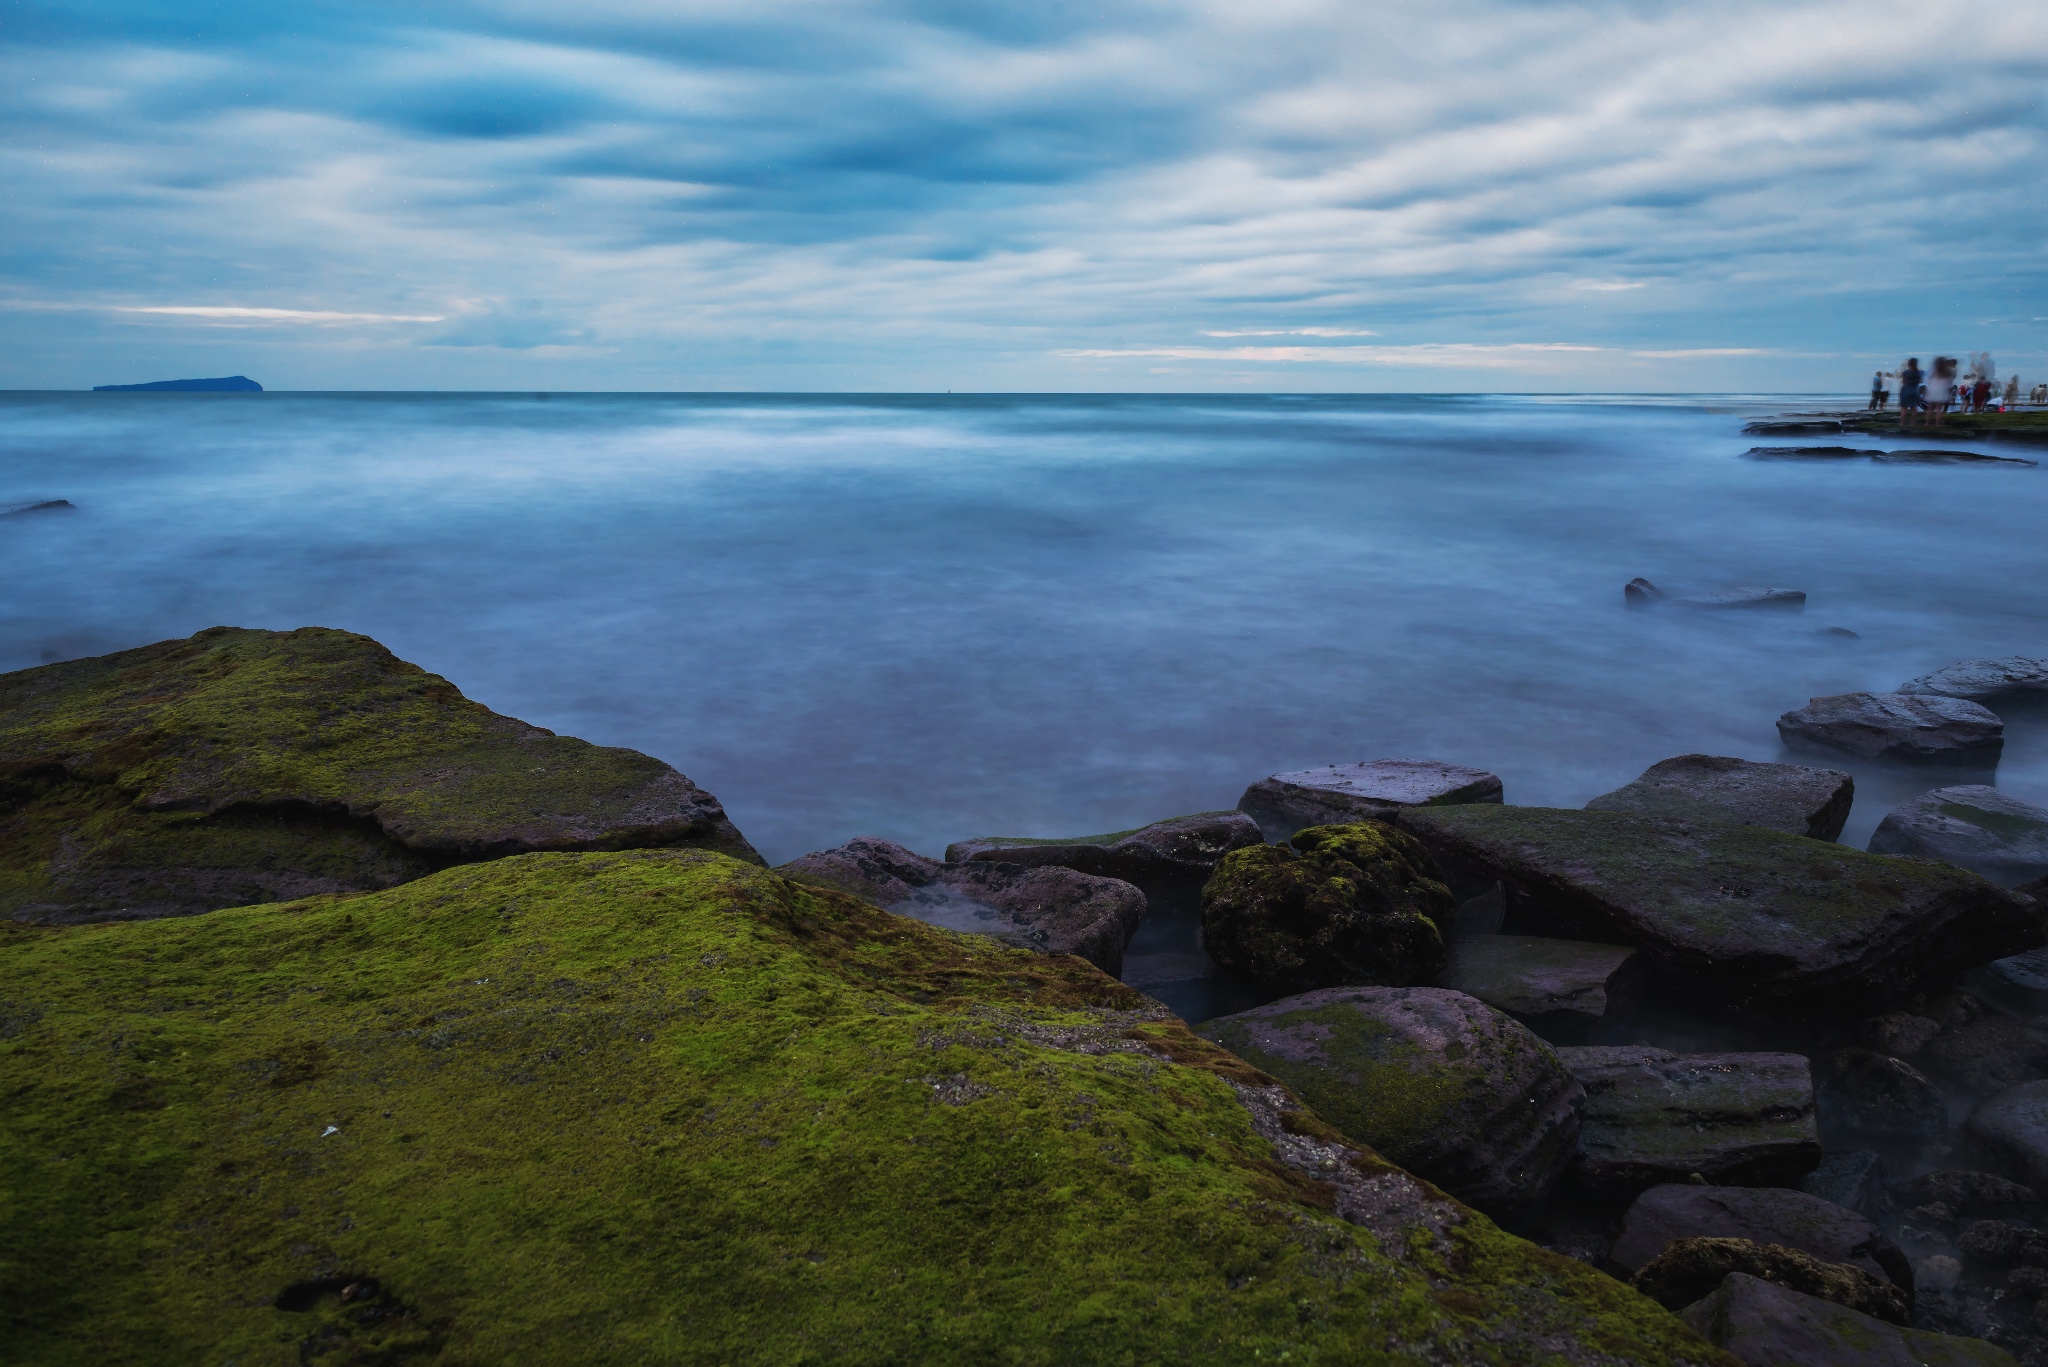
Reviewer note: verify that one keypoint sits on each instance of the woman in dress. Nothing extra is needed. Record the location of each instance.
(1941, 389)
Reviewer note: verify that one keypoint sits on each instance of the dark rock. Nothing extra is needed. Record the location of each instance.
(1438, 1082)
(1737, 917)
(2014, 678)
(1972, 827)
(1853, 1179)
(1182, 849)
(1791, 427)
(1051, 910)
(1964, 1192)
(1953, 1010)
(1568, 991)
(1641, 593)
(48, 505)
(226, 384)
(1782, 797)
(1999, 1243)
(1691, 1269)
(256, 766)
(1906, 727)
(1767, 1215)
(1989, 1055)
(1898, 1033)
(1766, 1325)
(1865, 1098)
(1841, 633)
(1359, 904)
(2010, 1132)
(1340, 793)
(2018, 982)
(1931, 456)
(1653, 1116)
(1808, 453)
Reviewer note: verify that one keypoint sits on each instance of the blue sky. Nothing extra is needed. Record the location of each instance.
(931, 194)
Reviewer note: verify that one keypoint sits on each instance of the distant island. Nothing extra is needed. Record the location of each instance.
(227, 384)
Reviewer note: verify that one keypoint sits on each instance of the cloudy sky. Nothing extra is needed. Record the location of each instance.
(935, 194)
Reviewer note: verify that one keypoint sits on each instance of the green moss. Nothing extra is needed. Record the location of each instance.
(664, 1106)
(1110, 839)
(2004, 824)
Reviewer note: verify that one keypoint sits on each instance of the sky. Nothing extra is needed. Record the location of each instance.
(928, 195)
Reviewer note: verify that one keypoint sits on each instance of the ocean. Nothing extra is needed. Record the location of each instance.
(927, 618)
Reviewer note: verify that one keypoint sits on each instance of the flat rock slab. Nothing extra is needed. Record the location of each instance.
(2013, 678)
(1738, 917)
(1973, 827)
(1911, 728)
(1568, 991)
(1808, 453)
(1440, 1083)
(1653, 1116)
(1051, 910)
(1340, 793)
(1938, 456)
(1182, 849)
(1771, 1326)
(1765, 1215)
(1780, 797)
(1791, 427)
(1641, 593)
(2010, 1132)
(252, 766)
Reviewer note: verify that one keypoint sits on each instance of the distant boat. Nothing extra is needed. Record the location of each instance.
(227, 384)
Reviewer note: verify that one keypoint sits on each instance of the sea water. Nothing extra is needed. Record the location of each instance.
(930, 618)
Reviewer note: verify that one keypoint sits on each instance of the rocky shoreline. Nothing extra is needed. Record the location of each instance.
(349, 1021)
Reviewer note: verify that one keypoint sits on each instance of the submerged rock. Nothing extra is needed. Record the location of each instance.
(1641, 593)
(1568, 991)
(1360, 904)
(1051, 910)
(1904, 727)
(252, 766)
(1737, 917)
(1808, 453)
(1973, 827)
(2014, 678)
(1781, 797)
(48, 505)
(1765, 1215)
(1965, 1192)
(1653, 1116)
(1865, 1098)
(1853, 1179)
(1439, 1082)
(1790, 427)
(1184, 848)
(548, 1109)
(1691, 1269)
(1767, 1325)
(1938, 456)
(2010, 1131)
(1339, 793)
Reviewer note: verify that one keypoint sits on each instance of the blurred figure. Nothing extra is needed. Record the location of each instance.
(2038, 396)
(1980, 394)
(2012, 393)
(1878, 393)
(1941, 391)
(1910, 395)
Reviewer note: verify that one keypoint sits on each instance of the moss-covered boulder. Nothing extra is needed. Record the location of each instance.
(250, 766)
(1373, 790)
(1767, 1215)
(663, 1106)
(1737, 917)
(1691, 1269)
(1440, 1082)
(1358, 904)
(1762, 1322)
(1178, 850)
(1783, 797)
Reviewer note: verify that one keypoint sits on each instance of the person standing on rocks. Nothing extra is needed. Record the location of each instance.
(1910, 385)
(2012, 393)
(1941, 391)
(1878, 393)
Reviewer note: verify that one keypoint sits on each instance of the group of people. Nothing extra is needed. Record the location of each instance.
(1929, 396)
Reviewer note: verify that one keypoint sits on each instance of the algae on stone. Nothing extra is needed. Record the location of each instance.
(663, 1106)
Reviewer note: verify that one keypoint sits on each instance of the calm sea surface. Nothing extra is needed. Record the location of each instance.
(927, 618)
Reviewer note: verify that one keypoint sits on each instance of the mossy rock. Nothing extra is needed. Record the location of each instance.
(1359, 904)
(664, 1106)
(250, 766)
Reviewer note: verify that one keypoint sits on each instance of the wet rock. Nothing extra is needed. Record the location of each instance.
(1938, 1273)
(1853, 1179)
(1904, 727)
(254, 766)
(2001, 1244)
(1808, 453)
(1989, 1055)
(1340, 793)
(1964, 1192)
(1866, 1098)
(1791, 427)
(1182, 849)
(1767, 1215)
(1772, 1326)
(1898, 1033)
(1936, 456)
(1690, 1269)
(2010, 1132)
(1953, 1010)
(1359, 904)
(48, 505)
(1782, 797)
(2018, 982)
(1973, 827)
(1736, 917)
(1439, 1082)
(1050, 910)
(2013, 679)
(1641, 593)
(1568, 991)
(1653, 1116)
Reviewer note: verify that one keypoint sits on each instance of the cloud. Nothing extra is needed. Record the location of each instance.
(1295, 332)
(275, 315)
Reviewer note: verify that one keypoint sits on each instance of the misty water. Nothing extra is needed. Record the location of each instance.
(932, 618)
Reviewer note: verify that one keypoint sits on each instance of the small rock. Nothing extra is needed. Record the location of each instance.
(1340, 793)
(2010, 1130)
(1964, 1192)
(1853, 1179)
(1989, 1055)
(1898, 1033)
(1772, 1326)
(1840, 633)
(1182, 849)
(1438, 1082)
(1690, 1269)
(1808, 453)
(1653, 1117)
(2011, 679)
(1767, 1215)
(1905, 727)
(1568, 991)
(1954, 1010)
(1939, 1273)
(1359, 904)
(1996, 1243)
(1049, 910)
(1781, 797)
(1865, 1098)
(1973, 827)
(48, 505)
